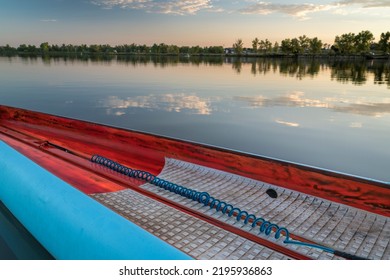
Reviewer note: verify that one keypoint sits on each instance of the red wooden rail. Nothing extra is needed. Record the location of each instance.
(147, 152)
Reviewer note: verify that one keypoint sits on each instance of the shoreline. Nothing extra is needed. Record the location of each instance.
(206, 55)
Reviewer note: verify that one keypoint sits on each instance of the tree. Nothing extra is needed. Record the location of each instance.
(64, 48)
(144, 49)
(184, 49)
(345, 43)
(265, 46)
(295, 46)
(286, 46)
(326, 46)
(255, 44)
(32, 48)
(384, 42)
(71, 48)
(82, 49)
(120, 49)
(163, 48)
(363, 41)
(304, 43)
(196, 50)
(94, 48)
(103, 48)
(45, 47)
(55, 48)
(238, 46)
(268, 46)
(275, 48)
(132, 48)
(7, 50)
(173, 49)
(214, 50)
(22, 48)
(155, 49)
(315, 45)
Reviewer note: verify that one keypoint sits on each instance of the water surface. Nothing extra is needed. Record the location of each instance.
(16, 243)
(332, 114)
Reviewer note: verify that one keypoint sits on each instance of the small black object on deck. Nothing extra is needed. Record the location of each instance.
(272, 193)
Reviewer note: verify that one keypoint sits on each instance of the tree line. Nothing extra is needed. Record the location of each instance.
(345, 44)
(46, 49)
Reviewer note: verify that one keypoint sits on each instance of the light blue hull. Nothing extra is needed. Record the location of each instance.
(68, 223)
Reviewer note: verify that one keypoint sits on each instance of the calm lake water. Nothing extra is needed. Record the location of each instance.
(325, 113)
(16, 242)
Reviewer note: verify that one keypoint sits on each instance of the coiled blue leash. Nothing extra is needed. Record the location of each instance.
(265, 227)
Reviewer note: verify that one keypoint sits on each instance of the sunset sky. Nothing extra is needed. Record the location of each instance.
(187, 22)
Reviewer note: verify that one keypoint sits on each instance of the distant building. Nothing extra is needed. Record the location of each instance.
(229, 51)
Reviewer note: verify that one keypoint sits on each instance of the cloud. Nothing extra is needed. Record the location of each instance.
(300, 11)
(178, 7)
(171, 102)
(191, 7)
(184, 7)
(48, 20)
(367, 3)
(353, 7)
(356, 125)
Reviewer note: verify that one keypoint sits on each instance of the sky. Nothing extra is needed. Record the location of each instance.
(186, 22)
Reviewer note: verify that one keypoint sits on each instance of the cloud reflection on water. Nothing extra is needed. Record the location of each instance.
(367, 109)
(292, 124)
(340, 104)
(193, 104)
(293, 99)
(170, 102)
